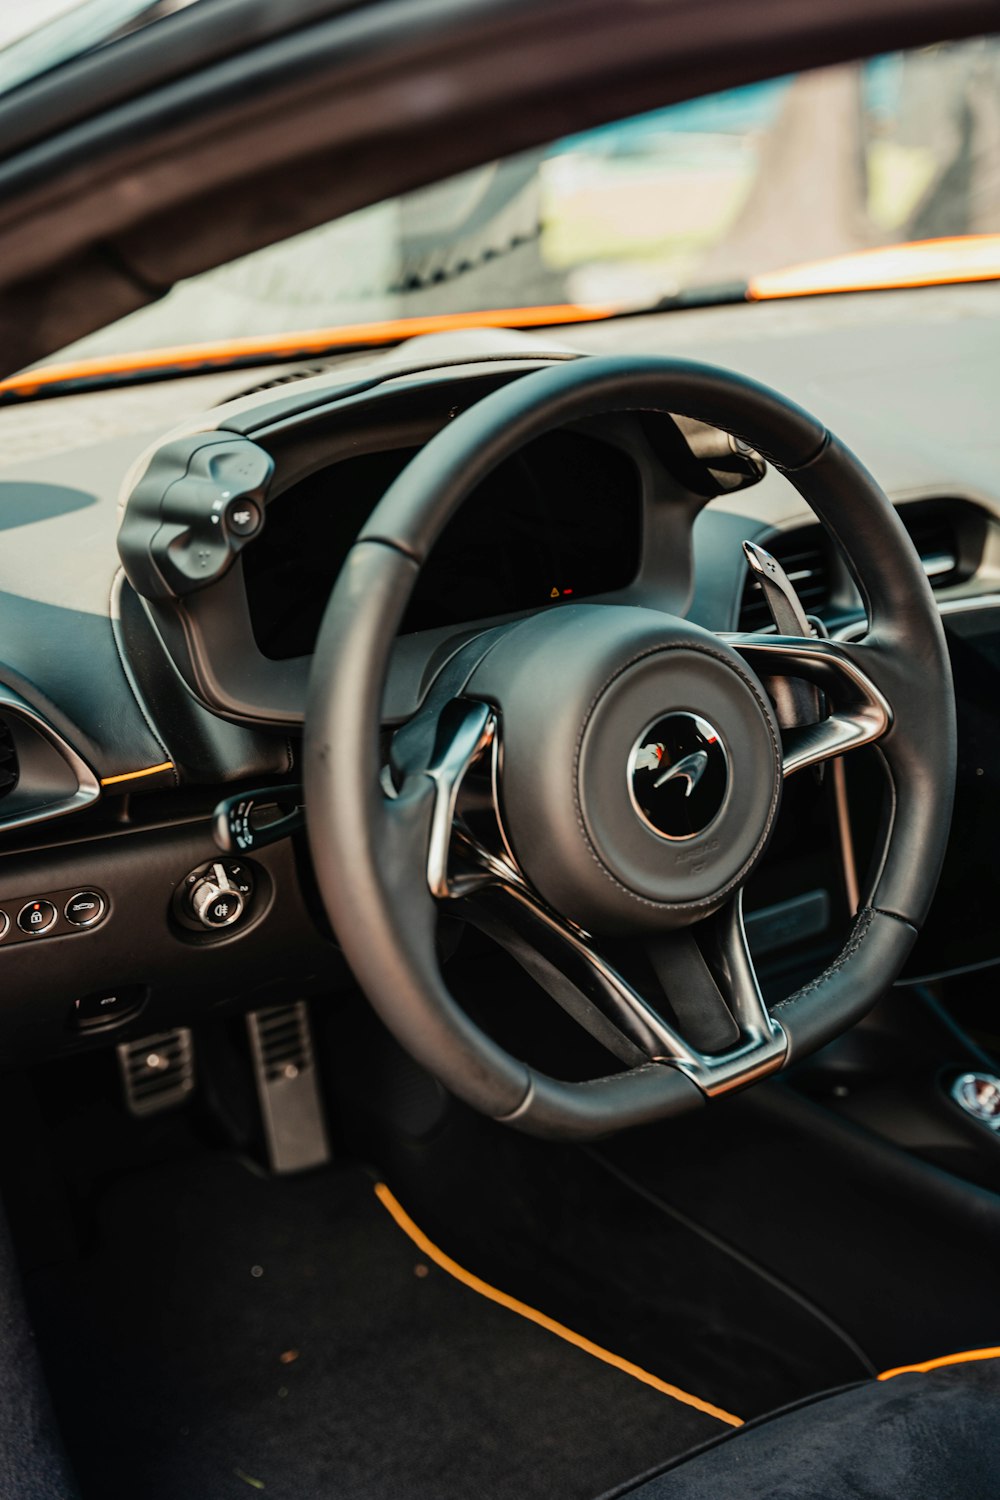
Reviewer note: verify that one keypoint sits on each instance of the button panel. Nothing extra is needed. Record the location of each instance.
(30, 918)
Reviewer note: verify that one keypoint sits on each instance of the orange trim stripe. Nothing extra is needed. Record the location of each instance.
(166, 765)
(964, 258)
(969, 1357)
(475, 1284)
(200, 357)
(924, 263)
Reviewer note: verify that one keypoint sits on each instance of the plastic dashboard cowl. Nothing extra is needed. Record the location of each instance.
(198, 504)
(198, 608)
(202, 623)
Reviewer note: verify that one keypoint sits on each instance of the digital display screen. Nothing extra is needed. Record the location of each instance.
(560, 520)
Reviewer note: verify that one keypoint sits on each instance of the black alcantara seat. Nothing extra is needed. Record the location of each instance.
(919, 1435)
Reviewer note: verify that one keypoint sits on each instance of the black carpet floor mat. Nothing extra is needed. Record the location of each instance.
(231, 1335)
(560, 1228)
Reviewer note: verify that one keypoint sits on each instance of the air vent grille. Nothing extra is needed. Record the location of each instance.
(805, 559)
(935, 537)
(304, 372)
(9, 767)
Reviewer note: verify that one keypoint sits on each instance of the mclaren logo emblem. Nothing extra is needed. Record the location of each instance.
(678, 776)
(691, 769)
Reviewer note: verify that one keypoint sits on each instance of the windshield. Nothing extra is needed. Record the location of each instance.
(699, 200)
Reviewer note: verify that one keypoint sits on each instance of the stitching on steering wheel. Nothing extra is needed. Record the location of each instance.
(858, 933)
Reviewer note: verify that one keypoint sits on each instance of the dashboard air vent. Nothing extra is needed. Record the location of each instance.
(934, 533)
(303, 372)
(806, 561)
(9, 767)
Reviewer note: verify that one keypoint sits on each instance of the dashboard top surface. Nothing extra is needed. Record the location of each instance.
(902, 377)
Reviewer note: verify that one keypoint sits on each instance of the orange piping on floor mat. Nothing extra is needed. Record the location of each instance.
(969, 1357)
(475, 1284)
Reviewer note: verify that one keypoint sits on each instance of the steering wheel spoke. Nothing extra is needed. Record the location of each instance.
(569, 965)
(708, 978)
(564, 962)
(858, 711)
(466, 732)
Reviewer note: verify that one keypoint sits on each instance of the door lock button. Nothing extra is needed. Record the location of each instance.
(36, 917)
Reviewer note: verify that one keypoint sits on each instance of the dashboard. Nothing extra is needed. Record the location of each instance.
(133, 697)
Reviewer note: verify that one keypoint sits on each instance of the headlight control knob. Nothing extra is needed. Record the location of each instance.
(215, 901)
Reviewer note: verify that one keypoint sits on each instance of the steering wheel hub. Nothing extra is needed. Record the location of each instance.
(626, 819)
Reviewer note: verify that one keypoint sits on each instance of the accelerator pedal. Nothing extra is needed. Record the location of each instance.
(288, 1087)
(157, 1071)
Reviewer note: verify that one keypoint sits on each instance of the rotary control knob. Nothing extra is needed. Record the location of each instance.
(215, 900)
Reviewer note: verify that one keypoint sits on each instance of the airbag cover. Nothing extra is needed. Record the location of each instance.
(640, 770)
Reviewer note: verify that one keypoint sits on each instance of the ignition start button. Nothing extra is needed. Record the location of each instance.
(37, 917)
(85, 908)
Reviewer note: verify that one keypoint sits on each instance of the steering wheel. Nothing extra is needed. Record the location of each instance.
(600, 775)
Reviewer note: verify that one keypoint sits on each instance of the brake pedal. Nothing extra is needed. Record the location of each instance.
(288, 1087)
(157, 1071)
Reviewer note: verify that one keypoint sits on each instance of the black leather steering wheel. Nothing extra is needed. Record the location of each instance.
(528, 793)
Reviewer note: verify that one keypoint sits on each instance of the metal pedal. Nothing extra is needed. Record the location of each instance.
(157, 1071)
(288, 1087)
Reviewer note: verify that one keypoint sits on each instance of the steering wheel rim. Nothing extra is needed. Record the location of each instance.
(364, 843)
